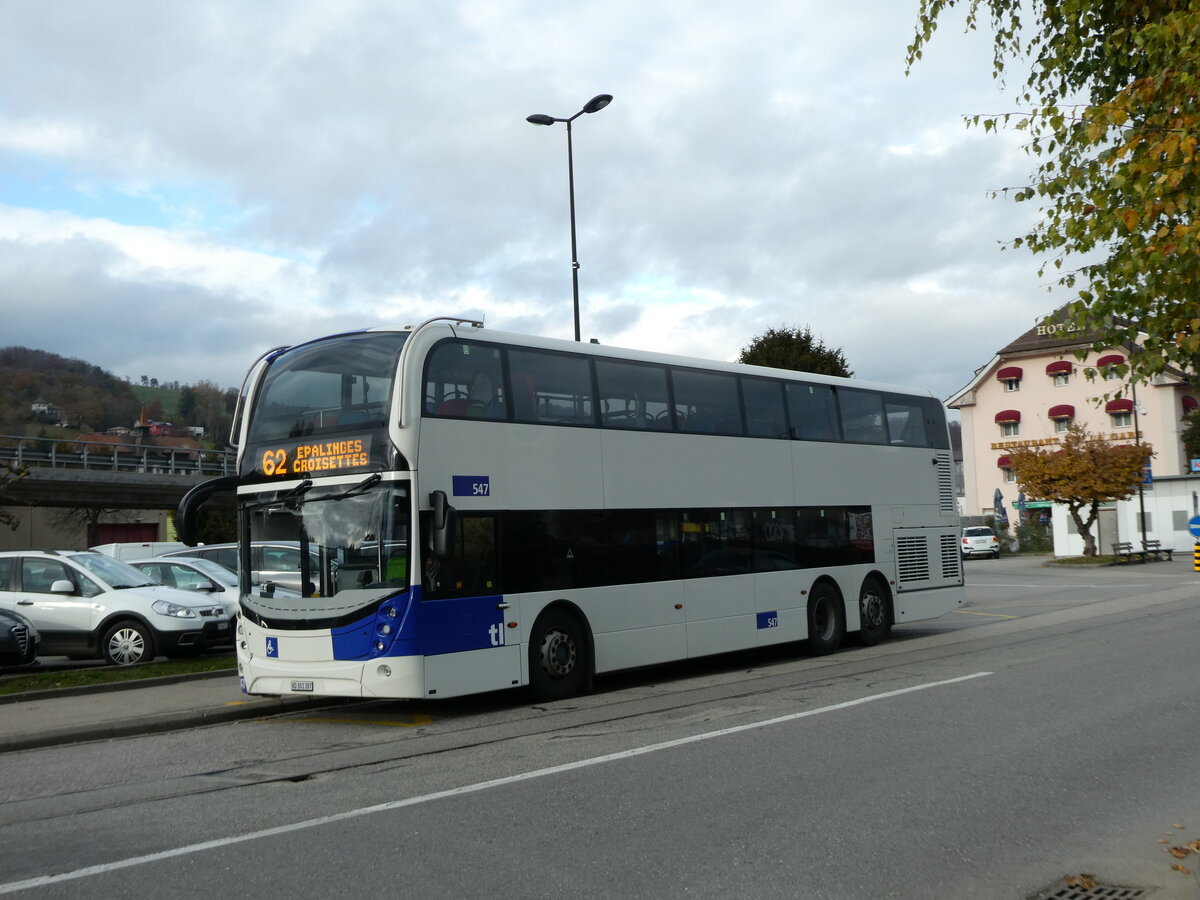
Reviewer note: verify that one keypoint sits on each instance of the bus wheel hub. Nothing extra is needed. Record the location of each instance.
(558, 654)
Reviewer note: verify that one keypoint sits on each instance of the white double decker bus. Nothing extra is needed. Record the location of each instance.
(478, 510)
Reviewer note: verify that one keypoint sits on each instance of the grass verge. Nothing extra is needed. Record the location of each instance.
(51, 679)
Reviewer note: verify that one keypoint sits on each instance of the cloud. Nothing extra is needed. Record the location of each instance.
(189, 185)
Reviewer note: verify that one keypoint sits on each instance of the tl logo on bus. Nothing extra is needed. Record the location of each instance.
(496, 634)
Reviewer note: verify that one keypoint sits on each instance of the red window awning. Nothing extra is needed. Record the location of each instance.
(1008, 415)
(1059, 367)
(1004, 462)
(1009, 372)
(1189, 403)
(1112, 359)
(1118, 406)
(1062, 411)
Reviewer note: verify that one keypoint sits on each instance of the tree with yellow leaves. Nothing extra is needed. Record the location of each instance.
(1084, 473)
(1111, 105)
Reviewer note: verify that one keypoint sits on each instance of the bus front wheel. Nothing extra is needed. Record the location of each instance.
(875, 620)
(826, 623)
(557, 656)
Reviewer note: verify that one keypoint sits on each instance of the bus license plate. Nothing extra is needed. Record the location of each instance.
(302, 686)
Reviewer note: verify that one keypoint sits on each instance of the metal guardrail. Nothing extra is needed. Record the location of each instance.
(27, 452)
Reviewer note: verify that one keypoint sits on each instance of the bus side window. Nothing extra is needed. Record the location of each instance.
(906, 423)
(552, 388)
(633, 395)
(813, 412)
(862, 417)
(764, 408)
(465, 380)
(707, 402)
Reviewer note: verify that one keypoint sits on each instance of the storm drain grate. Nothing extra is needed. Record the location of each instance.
(1083, 888)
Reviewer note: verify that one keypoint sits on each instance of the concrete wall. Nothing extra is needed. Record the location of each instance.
(45, 528)
(1169, 503)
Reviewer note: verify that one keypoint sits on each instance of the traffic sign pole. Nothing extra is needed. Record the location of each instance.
(1194, 528)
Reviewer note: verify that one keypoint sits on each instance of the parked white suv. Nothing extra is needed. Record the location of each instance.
(88, 605)
(979, 540)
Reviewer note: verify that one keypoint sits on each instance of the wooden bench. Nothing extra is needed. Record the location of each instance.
(1123, 552)
(1156, 549)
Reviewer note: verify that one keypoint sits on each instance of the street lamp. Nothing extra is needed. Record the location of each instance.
(596, 104)
(1137, 442)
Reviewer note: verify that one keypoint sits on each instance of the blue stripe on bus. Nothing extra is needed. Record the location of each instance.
(407, 625)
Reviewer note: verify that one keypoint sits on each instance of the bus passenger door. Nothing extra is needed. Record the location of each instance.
(465, 617)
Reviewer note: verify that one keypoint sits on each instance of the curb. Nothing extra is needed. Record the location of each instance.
(108, 687)
(162, 722)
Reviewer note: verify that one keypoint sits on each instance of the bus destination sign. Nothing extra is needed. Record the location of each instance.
(316, 458)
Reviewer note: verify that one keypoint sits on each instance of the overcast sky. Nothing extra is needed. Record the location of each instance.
(184, 185)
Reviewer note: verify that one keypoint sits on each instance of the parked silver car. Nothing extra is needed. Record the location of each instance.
(269, 562)
(191, 573)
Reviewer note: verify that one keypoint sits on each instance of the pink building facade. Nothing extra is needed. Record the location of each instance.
(1035, 388)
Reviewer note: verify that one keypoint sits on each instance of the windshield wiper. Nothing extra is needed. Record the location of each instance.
(352, 490)
(295, 492)
(358, 488)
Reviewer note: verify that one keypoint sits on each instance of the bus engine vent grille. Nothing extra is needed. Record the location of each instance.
(912, 558)
(950, 557)
(945, 480)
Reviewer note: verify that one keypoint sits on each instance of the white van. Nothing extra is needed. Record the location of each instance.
(139, 550)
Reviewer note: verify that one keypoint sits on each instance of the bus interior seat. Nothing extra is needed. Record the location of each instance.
(456, 407)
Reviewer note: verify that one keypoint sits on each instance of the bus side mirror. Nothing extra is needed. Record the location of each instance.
(442, 526)
(189, 506)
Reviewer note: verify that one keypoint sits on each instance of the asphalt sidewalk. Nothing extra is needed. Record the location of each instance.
(48, 718)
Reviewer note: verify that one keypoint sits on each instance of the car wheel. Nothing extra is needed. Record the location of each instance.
(127, 643)
(874, 616)
(558, 656)
(826, 623)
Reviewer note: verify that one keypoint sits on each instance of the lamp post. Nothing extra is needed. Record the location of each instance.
(596, 104)
(1137, 442)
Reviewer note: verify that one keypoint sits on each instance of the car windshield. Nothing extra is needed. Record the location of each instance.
(213, 570)
(114, 573)
(978, 532)
(358, 535)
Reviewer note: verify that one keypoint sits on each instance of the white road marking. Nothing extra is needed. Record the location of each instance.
(104, 868)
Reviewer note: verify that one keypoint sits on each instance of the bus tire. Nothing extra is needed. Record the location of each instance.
(874, 612)
(826, 620)
(558, 661)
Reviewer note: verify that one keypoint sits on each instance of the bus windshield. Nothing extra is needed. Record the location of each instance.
(353, 540)
(337, 384)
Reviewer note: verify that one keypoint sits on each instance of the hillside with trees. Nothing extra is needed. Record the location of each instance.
(82, 397)
(85, 395)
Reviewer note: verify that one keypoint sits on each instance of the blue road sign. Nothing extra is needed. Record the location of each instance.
(1194, 526)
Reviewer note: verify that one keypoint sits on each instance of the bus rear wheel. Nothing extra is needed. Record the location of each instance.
(557, 656)
(874, 615)
(826, 623)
